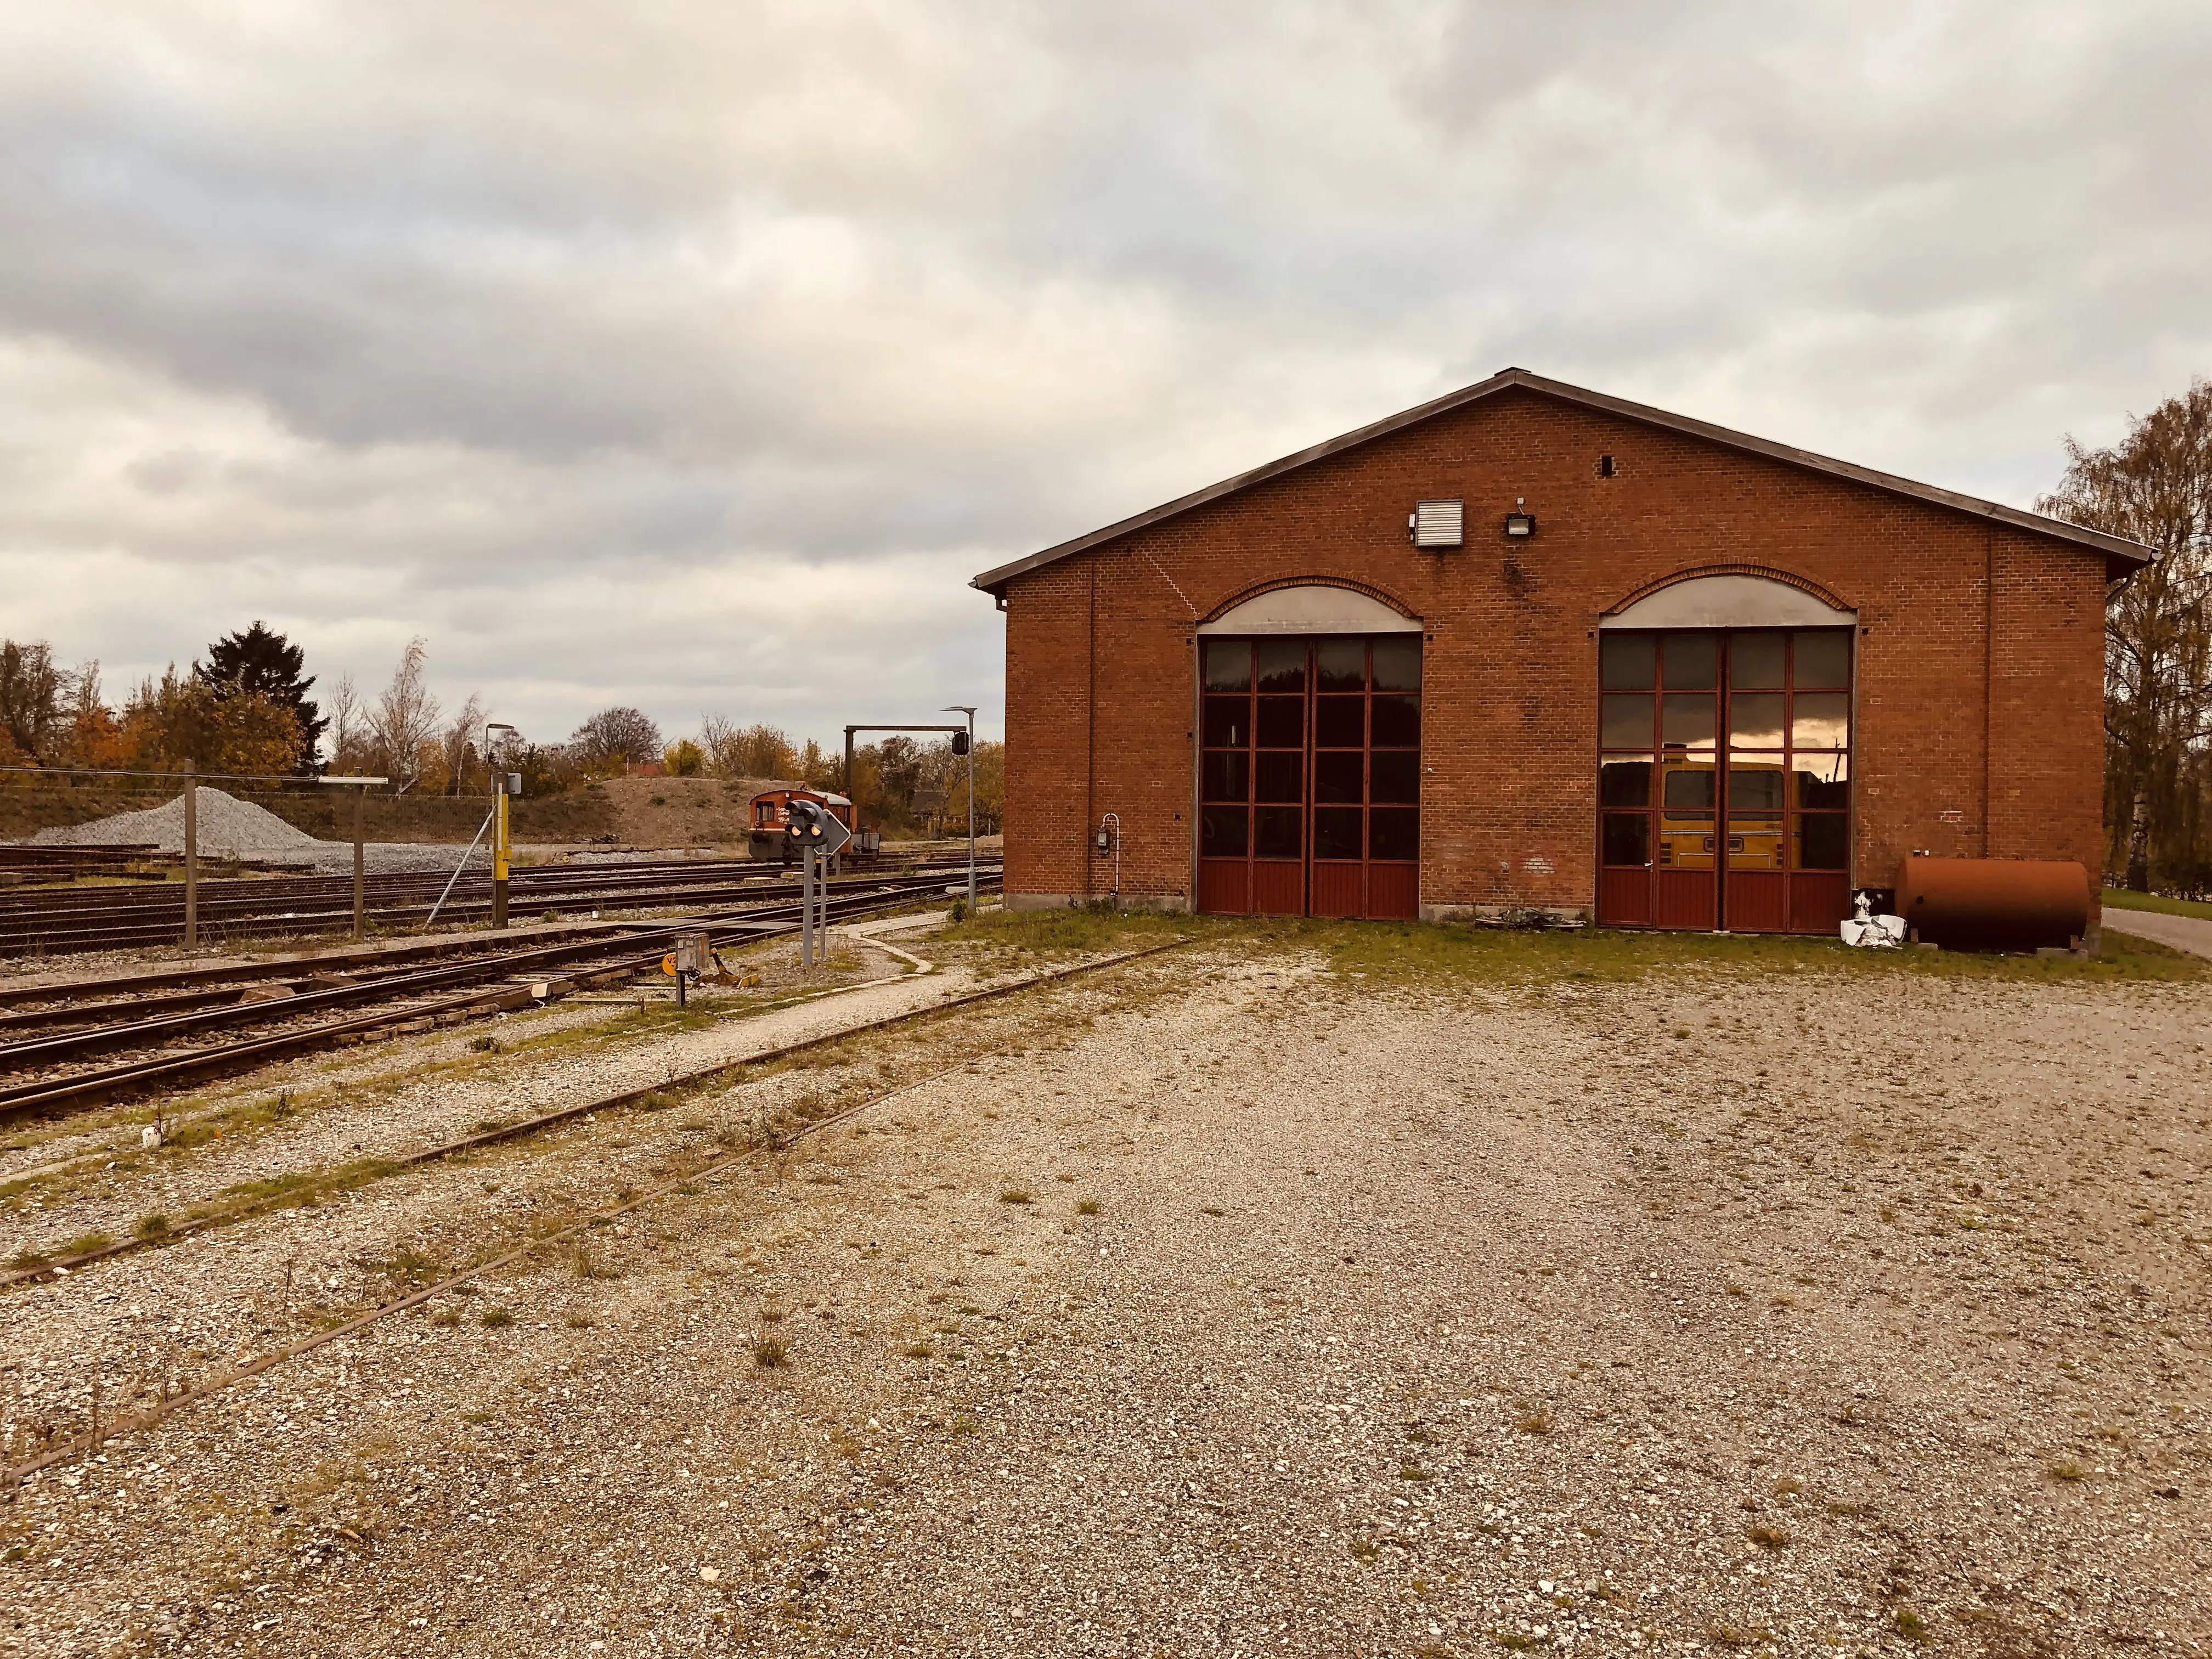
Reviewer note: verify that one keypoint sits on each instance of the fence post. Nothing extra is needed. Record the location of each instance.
(192, 856)
(360, 861)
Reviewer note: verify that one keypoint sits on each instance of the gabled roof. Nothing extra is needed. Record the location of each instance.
(2122, 556)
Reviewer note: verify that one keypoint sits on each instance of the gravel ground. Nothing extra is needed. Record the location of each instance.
(1217, 1305)
(228, 828)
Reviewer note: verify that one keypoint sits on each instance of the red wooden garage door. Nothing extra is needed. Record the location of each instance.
(1724, 779)
(1310, 777)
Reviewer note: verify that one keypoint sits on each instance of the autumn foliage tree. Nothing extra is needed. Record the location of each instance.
(2155, 486)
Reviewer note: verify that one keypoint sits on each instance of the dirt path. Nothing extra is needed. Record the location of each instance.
(1222, 1305)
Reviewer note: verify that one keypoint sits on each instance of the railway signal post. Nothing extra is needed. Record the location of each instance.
(817, 835)
(963, 742)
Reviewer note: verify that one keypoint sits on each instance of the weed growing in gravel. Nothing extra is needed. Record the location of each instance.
(920, 1351)
(576, 1321)
(1013, 1195)
(494, 1318)
(445, 1318)
(1738, 1636)
(1088, 1207)
(1909, 1624)
(1211, 1209)
(151, 1227)
(1534, 1420)
(770, 1352)
(85, 1243)
(1768, 1538)
(2069, 1471)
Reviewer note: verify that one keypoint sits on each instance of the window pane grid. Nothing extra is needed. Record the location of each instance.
(1310, 749)
(1785, 729)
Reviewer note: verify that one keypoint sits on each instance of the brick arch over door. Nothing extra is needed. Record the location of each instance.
(1310, 606)
(1731, 595)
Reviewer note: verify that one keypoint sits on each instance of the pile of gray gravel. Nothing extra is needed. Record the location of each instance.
(229, 828)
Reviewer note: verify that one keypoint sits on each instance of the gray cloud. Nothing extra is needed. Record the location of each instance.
(694, 358)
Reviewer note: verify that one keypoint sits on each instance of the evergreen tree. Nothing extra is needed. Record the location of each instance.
(261, 661)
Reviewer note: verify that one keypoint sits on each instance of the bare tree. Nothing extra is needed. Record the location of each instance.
(458, 743)
(348, 725)
(405, 719)
(615, 735)
(2155, 486)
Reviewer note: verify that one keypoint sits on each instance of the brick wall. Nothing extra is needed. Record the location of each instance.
(1980, 664)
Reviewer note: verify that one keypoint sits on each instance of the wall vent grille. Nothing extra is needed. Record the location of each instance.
(1438, 524)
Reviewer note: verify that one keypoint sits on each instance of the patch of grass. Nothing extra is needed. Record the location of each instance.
(1413, 1472)
(1070, 932)
(445, 1318)
(1769, 1537)
(1909, 1625)
(1014, 1195)
(2120, 898)
(27, 1259)
(920, 1351)
(1535, 1420)
(576, 1321)
(1211, 1209)
(1365, 1548)
(1088, 1207)
(770, 1352)
(497, 1318)
(151, 1227)
(589, 1268)
(485, 1045)
(86, 1244)
(2069, 1471)
(1414, 952)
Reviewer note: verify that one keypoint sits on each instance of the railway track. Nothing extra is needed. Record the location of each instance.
(51, 1077)
(135, 1422)
(119, 916)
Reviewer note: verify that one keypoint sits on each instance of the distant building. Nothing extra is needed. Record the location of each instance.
(1532, 647)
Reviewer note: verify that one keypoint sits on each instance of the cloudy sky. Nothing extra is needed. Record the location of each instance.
(693, 353)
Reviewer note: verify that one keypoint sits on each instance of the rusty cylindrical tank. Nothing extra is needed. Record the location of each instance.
(1993, 904)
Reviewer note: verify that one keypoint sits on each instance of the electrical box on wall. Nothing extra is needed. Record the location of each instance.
(1437, 523)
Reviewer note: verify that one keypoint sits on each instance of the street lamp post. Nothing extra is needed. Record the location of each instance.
(969, 709)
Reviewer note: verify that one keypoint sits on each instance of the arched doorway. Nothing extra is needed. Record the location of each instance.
(1724, 763)
(1309, 756)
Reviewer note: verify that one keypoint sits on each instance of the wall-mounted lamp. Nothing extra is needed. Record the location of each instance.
(1520, 523)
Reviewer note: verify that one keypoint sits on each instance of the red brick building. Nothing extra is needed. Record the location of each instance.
(1531, 647)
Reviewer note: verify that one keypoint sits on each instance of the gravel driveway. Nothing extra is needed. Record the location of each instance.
(1223, 1304)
